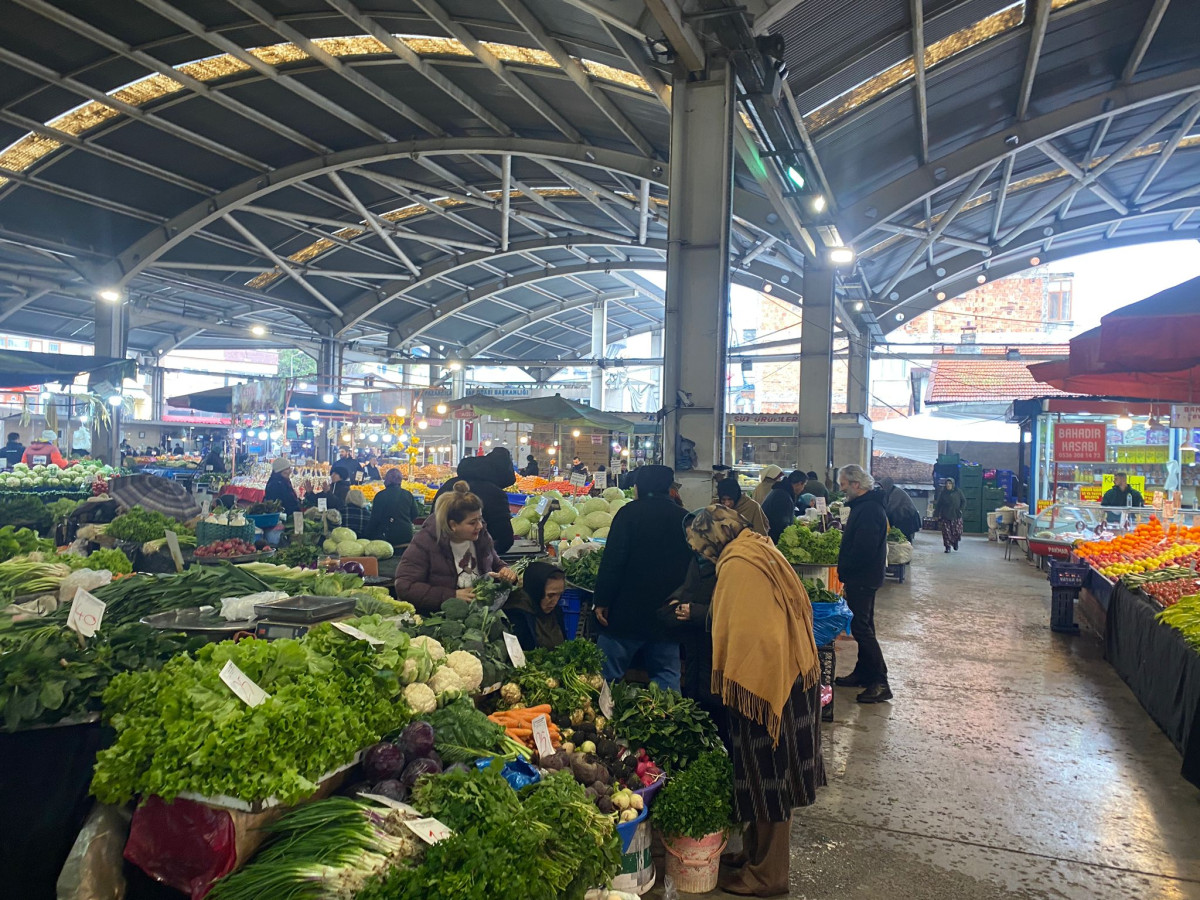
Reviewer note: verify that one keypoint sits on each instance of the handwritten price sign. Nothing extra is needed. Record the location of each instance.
(429, 830)
(87, 612)
(245, 689)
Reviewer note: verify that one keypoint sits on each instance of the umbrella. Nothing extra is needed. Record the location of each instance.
(553, 410)
(155, 494)
(1158, 334)
(1180, 386)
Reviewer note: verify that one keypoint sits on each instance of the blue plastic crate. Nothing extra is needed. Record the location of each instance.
(571, 604)
(1067, 575)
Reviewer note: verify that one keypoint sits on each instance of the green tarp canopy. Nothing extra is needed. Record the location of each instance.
(555, 410)
(20, 369)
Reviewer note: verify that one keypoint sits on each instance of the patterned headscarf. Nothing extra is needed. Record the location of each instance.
(712, 528)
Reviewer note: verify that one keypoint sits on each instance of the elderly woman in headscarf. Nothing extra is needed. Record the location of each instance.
(766, 672)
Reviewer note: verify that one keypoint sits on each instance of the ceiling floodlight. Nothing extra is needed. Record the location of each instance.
(111, 295)
(841, 256)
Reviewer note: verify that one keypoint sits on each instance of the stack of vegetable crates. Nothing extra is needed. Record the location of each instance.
(1066, 580)
(971, 484)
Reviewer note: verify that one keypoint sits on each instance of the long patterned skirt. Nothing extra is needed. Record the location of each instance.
(952, 530)
(769, 782)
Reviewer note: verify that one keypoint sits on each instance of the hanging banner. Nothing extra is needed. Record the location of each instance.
(1079, 442)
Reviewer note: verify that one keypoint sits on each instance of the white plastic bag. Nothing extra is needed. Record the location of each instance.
(899, 553)
(88, 579)
(239, 609)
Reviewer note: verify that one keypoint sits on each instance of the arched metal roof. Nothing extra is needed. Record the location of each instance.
(475, 174)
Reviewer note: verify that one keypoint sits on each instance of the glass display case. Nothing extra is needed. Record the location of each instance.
(1057, 527)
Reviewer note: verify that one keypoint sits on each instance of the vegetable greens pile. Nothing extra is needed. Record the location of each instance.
(19, 541)
(129, 599)
(896, 536)
(674, 730)
(142, 526)
(801, 545)
(583, 570)
(114, 561)
(549, 842)
(818, 593)
(181, 728)
(49, 673)
(25, 511)
(699, 800)
(567, 677)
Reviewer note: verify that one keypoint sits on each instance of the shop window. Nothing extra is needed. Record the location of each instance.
(1058, 301)
(53, 347)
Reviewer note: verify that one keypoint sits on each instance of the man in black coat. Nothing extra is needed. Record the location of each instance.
(780, 505)
(861, 564)
(488, 477)
(645, 559)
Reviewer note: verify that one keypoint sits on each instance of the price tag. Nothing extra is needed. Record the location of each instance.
(606, 701)
(541, 737)
(429, 830)
(86, 613)
(578, 479)
(297, 523)
(821, 505)
(247, 691)
(39, 460)
(208, 468)
(356, 633)
(358, 477)
(173, 546)
(322, 504)
(3, 462)
(205, 506)
(515, 653)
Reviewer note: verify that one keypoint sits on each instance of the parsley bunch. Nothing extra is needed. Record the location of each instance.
(698, 801)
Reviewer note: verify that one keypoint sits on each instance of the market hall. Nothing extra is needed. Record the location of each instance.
(370, 377)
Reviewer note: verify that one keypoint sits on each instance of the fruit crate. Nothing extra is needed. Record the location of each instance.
(1067, 574)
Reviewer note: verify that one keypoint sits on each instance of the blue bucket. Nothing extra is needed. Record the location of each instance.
(627, 829)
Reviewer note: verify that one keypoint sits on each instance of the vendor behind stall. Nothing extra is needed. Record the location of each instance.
(534, 611)
(393, 512)
(13, 450)
(1121, 494)
(279, 486)
(42, 452)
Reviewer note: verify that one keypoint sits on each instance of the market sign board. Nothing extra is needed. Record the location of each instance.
(1079, 442)
(1185, 415)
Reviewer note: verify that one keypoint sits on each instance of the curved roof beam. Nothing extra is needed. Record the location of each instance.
(920, 290)
(413, 326)
(517, 324)
(159, 241)
(935, 176)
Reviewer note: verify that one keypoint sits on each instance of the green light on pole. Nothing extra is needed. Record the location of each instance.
(796, 176)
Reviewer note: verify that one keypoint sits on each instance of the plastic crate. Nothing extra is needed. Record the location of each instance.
(1062, 610)
(571, 603)
(1067, 574)
(207, 532)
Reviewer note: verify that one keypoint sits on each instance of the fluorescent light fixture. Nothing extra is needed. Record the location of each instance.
(818, 203)
(796, 176)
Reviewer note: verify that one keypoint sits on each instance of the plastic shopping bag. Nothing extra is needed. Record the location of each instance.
(830, 620)
(93, 871)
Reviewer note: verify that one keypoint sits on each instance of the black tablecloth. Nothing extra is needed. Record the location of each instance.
(1160, 668)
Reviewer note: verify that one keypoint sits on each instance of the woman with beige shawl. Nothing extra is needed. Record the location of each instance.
(766, 672)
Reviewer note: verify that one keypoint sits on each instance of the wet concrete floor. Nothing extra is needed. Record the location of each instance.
(1013, 762)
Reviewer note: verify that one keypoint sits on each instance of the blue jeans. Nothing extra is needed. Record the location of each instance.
(661, 658)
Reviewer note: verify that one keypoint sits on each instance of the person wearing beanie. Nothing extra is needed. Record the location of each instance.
(489, 476)
(356, 516)
(645, 559)
(393, 511)
(768, 478)
(279, 486)
(780, 505)
(43, 452)
(729, 495)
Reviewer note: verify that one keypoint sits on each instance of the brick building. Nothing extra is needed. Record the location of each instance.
(1034, 302)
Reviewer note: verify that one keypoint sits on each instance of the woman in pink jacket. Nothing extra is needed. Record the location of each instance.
(449, 553)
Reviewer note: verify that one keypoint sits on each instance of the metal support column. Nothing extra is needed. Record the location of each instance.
(697, 291)
(654, 400)
(816, 369)
(458, 390)
(158, 401)
(599, 330)
(111, 337)
(858, 376)
(327, 383)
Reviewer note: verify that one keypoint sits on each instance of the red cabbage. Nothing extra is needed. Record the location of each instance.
(416, 740)
(416, 769)
(392, 789)
(383, 761)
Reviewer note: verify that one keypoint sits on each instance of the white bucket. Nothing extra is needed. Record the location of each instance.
(637, 864)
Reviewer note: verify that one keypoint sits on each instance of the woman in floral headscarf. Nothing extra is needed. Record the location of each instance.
(766, 672)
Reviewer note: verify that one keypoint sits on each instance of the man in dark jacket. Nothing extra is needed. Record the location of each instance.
(815, 486)
(13, 450)
(645, 559)
(279, 486)
(861, 564)
(393, 511)
(1120, 494)
(780, 505)
(488, 477)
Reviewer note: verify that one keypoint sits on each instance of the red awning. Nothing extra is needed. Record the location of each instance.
(1158, 334)
(1182, 386)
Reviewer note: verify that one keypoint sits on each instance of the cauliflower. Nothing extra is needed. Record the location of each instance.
(468, 668)
(447, 679)
(435, 650)
(420, 698)
(410, 671)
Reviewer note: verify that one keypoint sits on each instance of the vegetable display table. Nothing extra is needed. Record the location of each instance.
(1160, 668)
